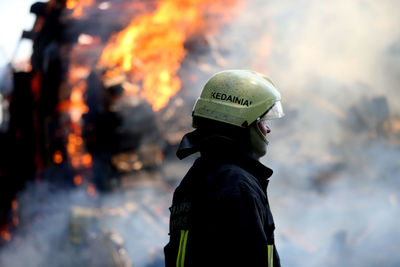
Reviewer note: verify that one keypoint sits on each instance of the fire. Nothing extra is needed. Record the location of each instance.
(6, 235)
(76, 152)
(87, 160)
(148, 54)
(78, 6)
(71, 4)
(75, 106)
(77, 73)
(78, 180)
(14, 205)
(78, 106)
(57, 157)
(151, 48)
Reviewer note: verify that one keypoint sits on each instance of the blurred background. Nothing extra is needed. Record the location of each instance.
(95, 96)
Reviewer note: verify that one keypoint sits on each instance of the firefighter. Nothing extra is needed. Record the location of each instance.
(220, 215)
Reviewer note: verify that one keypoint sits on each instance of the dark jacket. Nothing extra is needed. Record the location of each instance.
(220, 214)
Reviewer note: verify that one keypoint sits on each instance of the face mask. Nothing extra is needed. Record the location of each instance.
(258, 142)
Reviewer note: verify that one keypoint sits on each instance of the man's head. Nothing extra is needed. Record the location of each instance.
(241, 98)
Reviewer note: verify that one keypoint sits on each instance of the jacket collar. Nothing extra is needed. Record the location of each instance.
(225, 150)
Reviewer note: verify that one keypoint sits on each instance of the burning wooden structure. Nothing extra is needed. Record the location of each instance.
(101, 99)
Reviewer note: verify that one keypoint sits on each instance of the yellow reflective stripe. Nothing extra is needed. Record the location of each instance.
(184, 248)
(180, 259)
(180, 248)
(270, 255)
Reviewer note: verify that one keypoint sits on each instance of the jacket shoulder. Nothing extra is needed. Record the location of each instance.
(230, 180)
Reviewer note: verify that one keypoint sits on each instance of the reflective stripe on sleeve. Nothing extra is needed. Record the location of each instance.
(180, 259)
(270, 255)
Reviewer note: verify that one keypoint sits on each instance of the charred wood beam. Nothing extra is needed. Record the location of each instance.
(39, 9)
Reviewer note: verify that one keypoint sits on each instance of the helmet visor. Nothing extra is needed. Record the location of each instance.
(275, 112)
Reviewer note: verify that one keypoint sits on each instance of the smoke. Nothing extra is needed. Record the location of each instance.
(67, 227)
(346, 42)
(334, 192)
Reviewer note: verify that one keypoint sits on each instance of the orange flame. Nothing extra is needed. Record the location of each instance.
(14, 207)
(78, 6)
(75, 106)
(78, 180)
(87, 160)
(76, 151)
(151, 48)
(71, 4)
(6, 235)
(78, 104)
(57, 157)
(14, 204)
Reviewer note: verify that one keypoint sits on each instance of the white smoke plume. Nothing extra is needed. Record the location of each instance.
(334, 193)
(60, 227)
